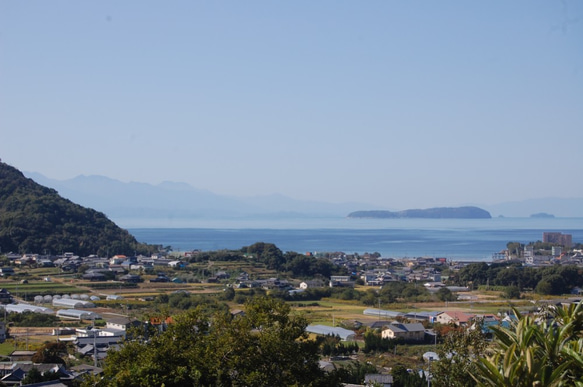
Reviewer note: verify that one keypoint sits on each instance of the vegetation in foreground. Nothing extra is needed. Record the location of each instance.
(543, 349)
(266, 346)
(269, 346)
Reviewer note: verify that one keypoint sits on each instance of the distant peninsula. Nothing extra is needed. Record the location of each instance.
(429, 213)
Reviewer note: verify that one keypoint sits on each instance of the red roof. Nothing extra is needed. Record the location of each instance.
(460, 317)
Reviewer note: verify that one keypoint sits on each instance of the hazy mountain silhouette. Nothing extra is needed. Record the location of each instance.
(120, 200)
(179, 200)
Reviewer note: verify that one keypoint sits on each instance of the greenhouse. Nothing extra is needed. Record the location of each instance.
(76, 314)
(20, 308)
(344, 334)
(381, 313)
(71, 303)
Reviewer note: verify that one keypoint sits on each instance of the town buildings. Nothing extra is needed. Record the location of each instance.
(565, 240)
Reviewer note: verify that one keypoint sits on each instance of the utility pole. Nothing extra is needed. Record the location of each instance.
(379, 309)
(94, 350)
(94, 344)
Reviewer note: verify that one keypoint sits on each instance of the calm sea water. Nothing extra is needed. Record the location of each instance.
(458, 239)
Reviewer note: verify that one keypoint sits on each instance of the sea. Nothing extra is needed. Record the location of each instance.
(455, 239)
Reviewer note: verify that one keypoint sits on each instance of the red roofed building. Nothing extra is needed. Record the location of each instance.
(454, 317)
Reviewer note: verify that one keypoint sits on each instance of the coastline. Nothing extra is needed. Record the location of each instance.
(454, 239)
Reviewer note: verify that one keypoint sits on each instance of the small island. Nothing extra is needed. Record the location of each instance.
(543, 215)
(467, 212)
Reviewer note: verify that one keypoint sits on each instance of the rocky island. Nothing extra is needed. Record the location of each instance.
(467, 212)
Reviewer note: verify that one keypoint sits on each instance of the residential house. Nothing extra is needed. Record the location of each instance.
(312, 284)
(20, 370)
(121, 323)
(454, 317)
(117, 259)
(407, 332)
(177, 264)
(130, 278)
(340, 280)
(96, 346)
(94, 276)
(378, 380)
(21, 355)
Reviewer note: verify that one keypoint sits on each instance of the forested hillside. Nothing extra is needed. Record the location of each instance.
(36, 219)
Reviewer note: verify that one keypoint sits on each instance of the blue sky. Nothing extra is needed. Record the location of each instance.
(399, 104)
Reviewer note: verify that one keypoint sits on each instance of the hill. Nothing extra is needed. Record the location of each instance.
(438, 213)
(36, 219)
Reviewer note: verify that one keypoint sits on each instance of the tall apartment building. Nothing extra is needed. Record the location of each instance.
(565, 240)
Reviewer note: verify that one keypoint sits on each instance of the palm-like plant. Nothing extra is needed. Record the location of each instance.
(536, 351)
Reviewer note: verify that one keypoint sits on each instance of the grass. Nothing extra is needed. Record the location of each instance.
(6, 348)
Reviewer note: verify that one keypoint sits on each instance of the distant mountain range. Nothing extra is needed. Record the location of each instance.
(182, 201)
(172, 200)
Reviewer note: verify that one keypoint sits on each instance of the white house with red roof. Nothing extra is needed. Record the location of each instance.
(454, 317)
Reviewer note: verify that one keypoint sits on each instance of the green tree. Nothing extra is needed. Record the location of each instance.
(353, 372)
(228, 294)
(51, 353)
(403, 378)
(444, 294)
(515, 248)
(552, 285)
(457, 357)
(511, 292)
(267, 253)
(266, 346)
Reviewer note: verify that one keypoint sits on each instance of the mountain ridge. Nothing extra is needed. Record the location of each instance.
(177, 200)
(180, 200)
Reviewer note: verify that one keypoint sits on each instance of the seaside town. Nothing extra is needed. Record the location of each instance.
(95, 301)
(291, 193)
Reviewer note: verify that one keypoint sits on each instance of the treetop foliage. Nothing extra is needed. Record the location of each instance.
(552, 280)
(266, 346)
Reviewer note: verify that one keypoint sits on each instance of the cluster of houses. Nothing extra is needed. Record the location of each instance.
(118, 267)
(557, 257)
(72, 262)
(409, 327)
(87, 342)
